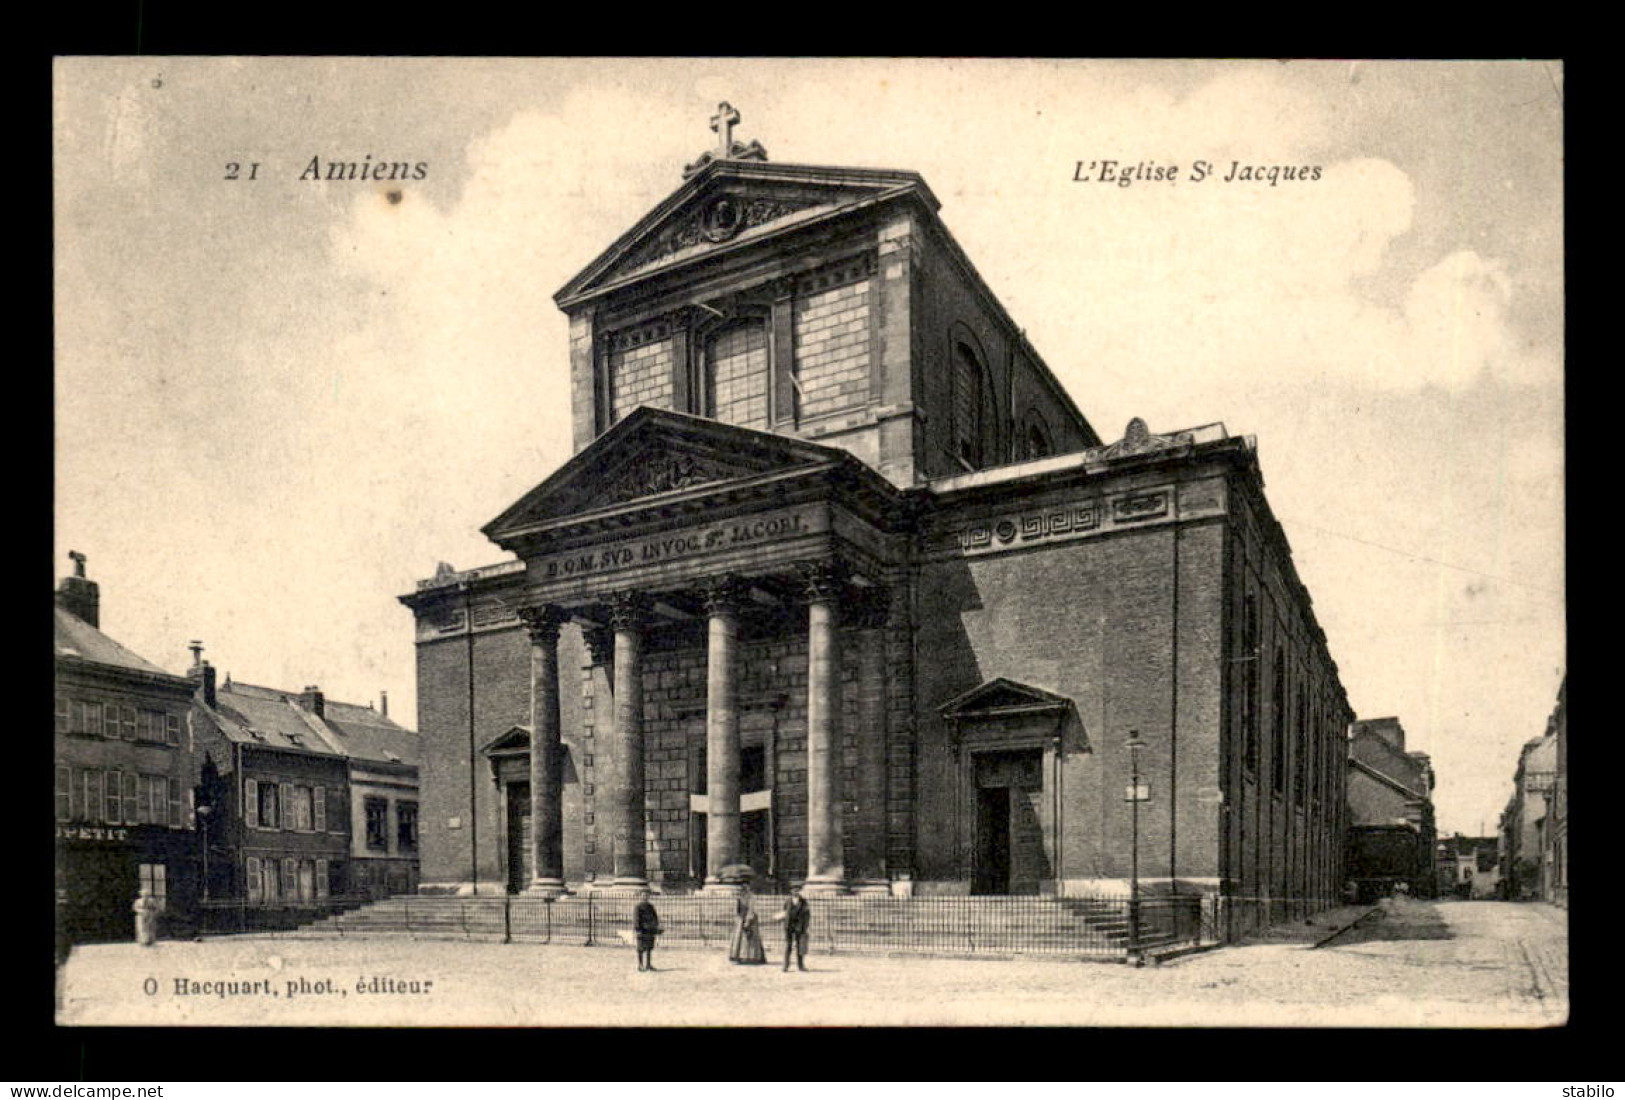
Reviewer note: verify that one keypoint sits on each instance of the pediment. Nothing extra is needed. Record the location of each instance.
(999, 697)
(516, 739)
(727, 204)
(652, 453)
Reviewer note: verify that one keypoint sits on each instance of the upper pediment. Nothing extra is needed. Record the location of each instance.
(652, 453)
(729, 204)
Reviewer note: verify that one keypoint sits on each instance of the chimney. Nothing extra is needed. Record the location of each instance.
(311, 699)
(383, 703)
(78, 595)
(202, 674)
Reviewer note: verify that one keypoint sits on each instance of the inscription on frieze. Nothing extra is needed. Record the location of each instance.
(732, 534)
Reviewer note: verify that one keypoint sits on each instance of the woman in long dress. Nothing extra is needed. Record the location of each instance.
(746, 946)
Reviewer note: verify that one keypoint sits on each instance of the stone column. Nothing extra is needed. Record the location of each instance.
(826, 873)
(546, 752)
(631, 865)
(722, 844)
(870, 616)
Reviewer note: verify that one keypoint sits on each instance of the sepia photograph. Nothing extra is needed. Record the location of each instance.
(738, 542)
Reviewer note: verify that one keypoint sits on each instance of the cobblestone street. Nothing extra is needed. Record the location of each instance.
(1475, 964)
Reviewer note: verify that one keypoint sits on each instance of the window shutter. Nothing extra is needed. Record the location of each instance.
(251, 803)
(254, 892)
(174, 803)
(64, 795)
(115, 810)
(319, 808)
(132, 798)
(284, 806)
(290, 879)
(321, 878)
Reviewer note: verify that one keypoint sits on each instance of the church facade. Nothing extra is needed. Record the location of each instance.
(841, 589)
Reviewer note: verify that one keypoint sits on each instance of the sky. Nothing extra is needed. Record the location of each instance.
(280, 402)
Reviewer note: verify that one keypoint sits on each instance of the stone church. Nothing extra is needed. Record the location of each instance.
(841, 586)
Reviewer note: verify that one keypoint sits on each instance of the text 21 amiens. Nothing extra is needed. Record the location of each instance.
(364, 169)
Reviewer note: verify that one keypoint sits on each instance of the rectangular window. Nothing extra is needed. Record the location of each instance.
(290, 879)
(307, 880)
(377, 811)
(114, 811)
(172, 729)
(285, 805)
(256, 889)
(127, 723)
(301, 809)
(406, 826)
(251, 803)
(154, 881)
(64, 793)
(323, 886)
(272, 883)
(64, 714)
(93, 795)
(175, 820)
(319, 809)
(93, 718)
(270, 806)
(157, 799)
(132, 799)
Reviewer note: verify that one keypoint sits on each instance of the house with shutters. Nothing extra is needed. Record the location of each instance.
(273, 802)
(305, 801)
(125, 767)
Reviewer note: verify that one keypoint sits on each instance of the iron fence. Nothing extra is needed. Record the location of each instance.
(1089, 926)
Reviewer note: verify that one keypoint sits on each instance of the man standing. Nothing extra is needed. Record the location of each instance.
(646, 926)
(797, 916)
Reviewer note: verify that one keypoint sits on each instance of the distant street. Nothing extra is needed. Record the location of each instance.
(1478, 964)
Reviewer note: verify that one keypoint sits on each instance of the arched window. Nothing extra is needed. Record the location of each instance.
(736, 366)
(969, 387)
(1035, 437)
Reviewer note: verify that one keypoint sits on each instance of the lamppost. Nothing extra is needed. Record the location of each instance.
(1135, 795)
(203, 812)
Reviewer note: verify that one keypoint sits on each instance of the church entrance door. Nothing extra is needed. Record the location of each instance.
(1010, 857)
(519, 853)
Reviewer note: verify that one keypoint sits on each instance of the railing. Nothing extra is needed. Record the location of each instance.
(1100, 926)
(1074, 926)
(1226, 919)
(226, 916)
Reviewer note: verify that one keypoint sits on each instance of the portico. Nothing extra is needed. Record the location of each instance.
(797, 551)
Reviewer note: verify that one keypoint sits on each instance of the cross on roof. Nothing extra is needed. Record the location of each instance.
(723, 122)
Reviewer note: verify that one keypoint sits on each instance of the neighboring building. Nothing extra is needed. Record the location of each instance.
(1557, 817)
(383, 797)
(1469, 867)
(125, 771)
(312, 801)
(1527, 849)
(841, 585)
(1387, 787)
(277, 793)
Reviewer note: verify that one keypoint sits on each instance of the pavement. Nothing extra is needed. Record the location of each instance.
(1416, 964)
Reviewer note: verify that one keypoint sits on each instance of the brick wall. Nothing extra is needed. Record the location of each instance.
(832, 341)
(639, 374)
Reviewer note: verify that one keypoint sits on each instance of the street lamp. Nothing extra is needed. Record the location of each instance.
(1135, 796)
(203, 812)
